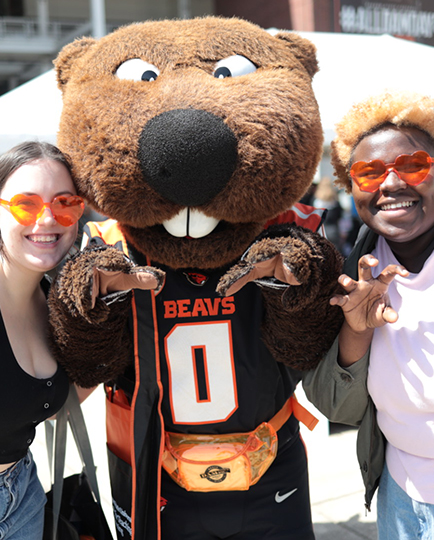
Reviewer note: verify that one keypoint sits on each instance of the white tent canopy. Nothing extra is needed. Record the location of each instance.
(351, 67)
(30, 112)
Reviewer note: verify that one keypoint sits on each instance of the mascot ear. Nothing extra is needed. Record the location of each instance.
(67, 57)
(303, 49)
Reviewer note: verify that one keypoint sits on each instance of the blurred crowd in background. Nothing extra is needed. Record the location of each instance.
(342, 222)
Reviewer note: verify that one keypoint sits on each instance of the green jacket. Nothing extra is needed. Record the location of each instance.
(341, 394)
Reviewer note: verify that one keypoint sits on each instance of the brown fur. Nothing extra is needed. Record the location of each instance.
(70, 299)
(278, 132)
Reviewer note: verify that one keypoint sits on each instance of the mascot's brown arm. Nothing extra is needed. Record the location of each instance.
(297, 271)
(89, 335)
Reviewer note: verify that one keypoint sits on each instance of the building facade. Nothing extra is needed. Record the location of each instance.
(33, 31)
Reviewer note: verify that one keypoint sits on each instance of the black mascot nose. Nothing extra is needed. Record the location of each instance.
(187, 155)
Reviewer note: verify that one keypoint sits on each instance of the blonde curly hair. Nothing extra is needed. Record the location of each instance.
(400, 109)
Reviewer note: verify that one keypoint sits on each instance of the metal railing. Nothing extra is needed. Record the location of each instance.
(18, 27)
(28, 28)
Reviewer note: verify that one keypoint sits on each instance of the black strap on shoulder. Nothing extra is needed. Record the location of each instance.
(71, 412)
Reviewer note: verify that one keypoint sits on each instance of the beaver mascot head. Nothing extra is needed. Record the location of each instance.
(191, 134)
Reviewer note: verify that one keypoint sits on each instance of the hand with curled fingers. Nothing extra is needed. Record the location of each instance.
(297, 271)
(294, 262)
(366, 303)
(89, 305)
(96, 278)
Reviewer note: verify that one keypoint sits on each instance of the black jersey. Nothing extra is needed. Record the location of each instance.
(199, 365)
(217, 375)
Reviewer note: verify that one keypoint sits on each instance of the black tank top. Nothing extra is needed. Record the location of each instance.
(25, 401)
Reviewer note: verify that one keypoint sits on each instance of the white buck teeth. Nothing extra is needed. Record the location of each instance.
(393, 206)
(190, 222)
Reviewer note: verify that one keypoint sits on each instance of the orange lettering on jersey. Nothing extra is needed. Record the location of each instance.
(228, 305)
(170, 309)
(183, 306)
(202, 307)
(213, 307)
(199, 308)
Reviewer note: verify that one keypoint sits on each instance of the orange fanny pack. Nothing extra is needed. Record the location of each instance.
(230, 462)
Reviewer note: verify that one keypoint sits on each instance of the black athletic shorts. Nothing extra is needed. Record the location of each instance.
(276, 508)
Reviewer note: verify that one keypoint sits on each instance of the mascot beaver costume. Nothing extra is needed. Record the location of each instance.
(204, 298)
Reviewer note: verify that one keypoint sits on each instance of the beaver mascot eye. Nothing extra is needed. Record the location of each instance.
(136, 69)
(233, 66)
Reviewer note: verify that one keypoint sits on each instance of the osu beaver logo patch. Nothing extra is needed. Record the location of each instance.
(215, 474)
(195, 278)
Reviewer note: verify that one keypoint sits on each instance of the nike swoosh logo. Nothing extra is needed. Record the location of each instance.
(280, 498)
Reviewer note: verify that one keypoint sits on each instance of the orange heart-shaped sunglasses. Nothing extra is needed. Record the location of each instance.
(412, 169)
(27, 209)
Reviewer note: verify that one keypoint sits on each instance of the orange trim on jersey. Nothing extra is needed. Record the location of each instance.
(205, 368)
(234, 375)
(160, 414)
(133, 406)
